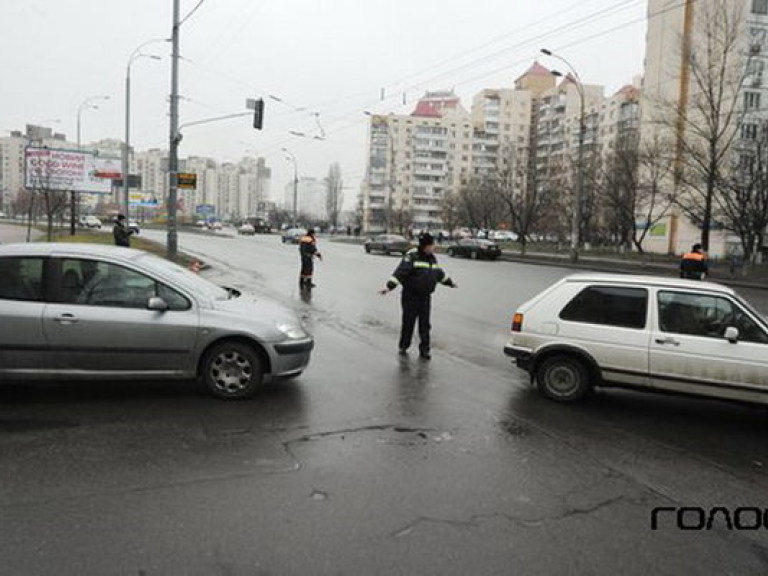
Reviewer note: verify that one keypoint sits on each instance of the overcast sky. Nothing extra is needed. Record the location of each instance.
(330, 57)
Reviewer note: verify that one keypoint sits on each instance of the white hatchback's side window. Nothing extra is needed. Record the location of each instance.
(706, 315)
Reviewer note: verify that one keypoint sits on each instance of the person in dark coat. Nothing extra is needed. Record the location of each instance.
(308, 252)
(418, 274)
(121, 232)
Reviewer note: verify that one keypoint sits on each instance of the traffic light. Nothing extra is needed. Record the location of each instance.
(258, 114)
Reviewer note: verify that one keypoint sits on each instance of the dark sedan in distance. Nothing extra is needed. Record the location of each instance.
(387, 244)
(475, 249)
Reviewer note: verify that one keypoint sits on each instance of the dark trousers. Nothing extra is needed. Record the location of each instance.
(307, 269)
(415, 308)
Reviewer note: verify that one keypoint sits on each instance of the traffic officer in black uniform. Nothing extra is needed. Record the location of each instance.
(308, 252)
(419, 274)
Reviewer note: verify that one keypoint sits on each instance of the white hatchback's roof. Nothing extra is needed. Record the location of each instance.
(655, 281)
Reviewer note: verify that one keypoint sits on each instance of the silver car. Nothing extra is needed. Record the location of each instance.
(100, 312)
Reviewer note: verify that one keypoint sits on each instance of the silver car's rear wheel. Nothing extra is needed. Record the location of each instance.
(563, 378)
(232, 370)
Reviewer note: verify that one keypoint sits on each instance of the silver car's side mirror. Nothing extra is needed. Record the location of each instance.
(732, 334)
(157, 304)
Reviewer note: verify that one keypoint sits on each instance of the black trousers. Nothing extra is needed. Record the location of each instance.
(307, 268)
(415, 308)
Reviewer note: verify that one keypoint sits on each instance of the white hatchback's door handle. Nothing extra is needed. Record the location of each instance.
(671, 341)
(67, 319)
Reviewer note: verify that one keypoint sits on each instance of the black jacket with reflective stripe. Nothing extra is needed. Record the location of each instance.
(419, 274)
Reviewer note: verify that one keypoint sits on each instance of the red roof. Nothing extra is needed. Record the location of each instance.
(536, 69)
(432, 104)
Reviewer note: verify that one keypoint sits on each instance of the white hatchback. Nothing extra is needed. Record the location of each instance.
(654, 334)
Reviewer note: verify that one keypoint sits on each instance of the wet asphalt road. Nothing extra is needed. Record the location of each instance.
(369, 464)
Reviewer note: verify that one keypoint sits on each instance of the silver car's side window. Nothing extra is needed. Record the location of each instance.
(706, 315)
(96, 283)
(21, 279)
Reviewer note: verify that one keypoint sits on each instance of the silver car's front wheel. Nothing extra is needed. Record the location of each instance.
(232, 370)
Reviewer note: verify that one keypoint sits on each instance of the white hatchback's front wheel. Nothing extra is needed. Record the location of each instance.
(563, 378)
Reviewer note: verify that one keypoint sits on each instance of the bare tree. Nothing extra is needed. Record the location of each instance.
(334, 196)
(633, 187)
(718, 70)
(450, 211)
(479, 204)
(743, 203)
(520, 197)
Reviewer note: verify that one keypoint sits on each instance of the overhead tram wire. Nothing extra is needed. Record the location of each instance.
(333, 131)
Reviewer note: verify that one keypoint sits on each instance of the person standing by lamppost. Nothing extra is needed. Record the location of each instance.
(578, 197)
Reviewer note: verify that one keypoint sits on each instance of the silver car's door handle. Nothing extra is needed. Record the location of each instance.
(671, 341)
(67, 319)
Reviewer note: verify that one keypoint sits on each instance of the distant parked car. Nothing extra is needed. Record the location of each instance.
(134, 226)
(475, 249)
(504, 236)
(387, 244)
(3, 215)
(246, 229)
(90, 221)
(293, 235)
(215, 225)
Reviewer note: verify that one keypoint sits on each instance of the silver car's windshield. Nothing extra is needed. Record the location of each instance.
(180, 274)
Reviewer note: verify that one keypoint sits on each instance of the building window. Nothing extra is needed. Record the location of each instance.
(752, 100)
(749, 131)
(759, 6)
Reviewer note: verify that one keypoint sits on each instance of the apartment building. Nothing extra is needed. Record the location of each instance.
(670, 90)
(414, 160)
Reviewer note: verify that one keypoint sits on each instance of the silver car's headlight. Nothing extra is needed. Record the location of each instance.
(293, 331)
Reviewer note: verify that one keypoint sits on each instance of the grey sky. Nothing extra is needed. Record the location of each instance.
(328, 56)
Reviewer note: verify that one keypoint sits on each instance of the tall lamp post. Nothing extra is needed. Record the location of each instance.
(126, 158)
(291, 157)
(579, 191)
(87, 104)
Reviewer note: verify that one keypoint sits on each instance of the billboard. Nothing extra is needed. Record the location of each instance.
(70, 170)
(143, 199)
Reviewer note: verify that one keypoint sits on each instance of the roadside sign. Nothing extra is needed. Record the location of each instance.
(187, 181)
(205, 209)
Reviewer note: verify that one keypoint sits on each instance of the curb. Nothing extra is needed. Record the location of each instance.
(645, 269)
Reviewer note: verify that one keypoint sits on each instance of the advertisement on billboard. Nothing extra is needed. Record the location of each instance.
(70, 170)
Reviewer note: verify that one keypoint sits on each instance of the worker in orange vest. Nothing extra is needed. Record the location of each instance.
(693, 265)
(308, 252)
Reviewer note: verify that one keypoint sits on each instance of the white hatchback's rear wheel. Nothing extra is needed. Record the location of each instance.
(563, 378)
(232, 370)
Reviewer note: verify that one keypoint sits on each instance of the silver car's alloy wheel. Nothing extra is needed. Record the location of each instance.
(232, 370)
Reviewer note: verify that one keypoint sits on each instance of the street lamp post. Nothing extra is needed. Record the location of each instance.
(291, 157)
(579, 191)
(86, 104)
(126, 156)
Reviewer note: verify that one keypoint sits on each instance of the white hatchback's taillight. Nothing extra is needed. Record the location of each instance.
(517, 323)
